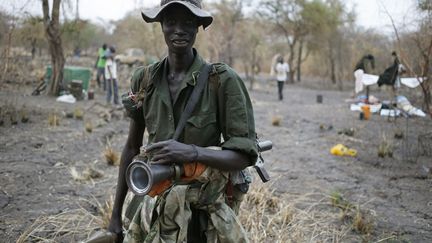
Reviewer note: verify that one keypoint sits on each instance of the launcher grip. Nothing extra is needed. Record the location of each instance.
(262, 172)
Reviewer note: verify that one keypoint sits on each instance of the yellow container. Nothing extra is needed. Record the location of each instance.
(342, 150)
(366, 111)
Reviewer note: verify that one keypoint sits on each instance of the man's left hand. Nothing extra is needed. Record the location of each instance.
(171, 151)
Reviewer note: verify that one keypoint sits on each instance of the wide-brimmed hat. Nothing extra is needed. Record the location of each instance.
(155, 14)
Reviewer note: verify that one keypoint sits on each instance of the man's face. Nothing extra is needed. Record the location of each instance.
(179, 27)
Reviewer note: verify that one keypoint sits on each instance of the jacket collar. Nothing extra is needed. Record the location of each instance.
(191, 75)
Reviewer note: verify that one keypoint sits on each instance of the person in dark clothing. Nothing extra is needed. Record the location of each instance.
(391, 75)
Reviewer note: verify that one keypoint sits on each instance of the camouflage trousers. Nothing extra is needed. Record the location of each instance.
(167, 217)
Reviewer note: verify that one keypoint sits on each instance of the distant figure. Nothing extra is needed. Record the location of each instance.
(77, 52)
(100, 67)
(282, 69)
(391, 75)
(111, 76)
(365, 65)
(33, 52)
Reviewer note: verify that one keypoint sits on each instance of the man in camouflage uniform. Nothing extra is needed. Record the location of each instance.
(223, 117)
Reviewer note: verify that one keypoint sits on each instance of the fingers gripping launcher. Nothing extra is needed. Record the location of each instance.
(145, 178)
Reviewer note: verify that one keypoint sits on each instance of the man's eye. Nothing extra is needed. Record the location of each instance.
(170, 22)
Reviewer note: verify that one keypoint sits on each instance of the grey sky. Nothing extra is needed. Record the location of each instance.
(370, 13)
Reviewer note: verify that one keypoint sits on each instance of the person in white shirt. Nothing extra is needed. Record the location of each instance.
(111, 76)
(282, 70)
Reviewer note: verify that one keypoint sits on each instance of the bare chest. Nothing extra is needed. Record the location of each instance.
(174, 83)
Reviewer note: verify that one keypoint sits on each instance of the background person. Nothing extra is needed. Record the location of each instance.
(282, 72)
(100, 67)
(111, 76)
(391, 76)
(365, 65)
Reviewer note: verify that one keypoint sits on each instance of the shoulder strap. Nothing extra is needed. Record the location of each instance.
(193, 99)
(146, 77)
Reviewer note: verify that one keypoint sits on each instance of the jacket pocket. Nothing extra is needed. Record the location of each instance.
(151, 126)
(202, 129)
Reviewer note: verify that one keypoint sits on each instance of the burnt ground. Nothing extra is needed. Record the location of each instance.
(36, 158)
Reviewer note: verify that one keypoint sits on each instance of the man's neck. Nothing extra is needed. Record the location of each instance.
(180, 62)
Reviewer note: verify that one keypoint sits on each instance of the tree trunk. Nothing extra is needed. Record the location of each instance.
(52, 32)
(7, 52)
(253, 61)
(425, 85)
(427, 100)
(339, 62)
(230, 54)
(291, 62)
(247, 74)
(332, 64)
(299, 61)
(332, 70)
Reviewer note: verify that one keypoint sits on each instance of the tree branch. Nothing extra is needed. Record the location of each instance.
(45, 9)
(56, 10)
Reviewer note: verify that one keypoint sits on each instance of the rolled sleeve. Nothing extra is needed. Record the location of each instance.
(244, 145)
(236, 114)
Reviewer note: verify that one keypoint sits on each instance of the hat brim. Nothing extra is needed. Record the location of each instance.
(154, 14)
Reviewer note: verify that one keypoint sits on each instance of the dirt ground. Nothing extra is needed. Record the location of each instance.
(36, 158)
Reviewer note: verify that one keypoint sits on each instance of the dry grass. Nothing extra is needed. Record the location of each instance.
(78, 113)
(337, 200)
(88, 126)
(266, 216)
(362, 222)
(105, 212)
(13, 115)
(399, 134)
(24, 115)
(112, 157)
(69, 226)
(385, 148)
(276, 121)
(53, 119)
(87, 174)
(306, 218)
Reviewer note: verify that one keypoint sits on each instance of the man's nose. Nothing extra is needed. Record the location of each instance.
(179, 29)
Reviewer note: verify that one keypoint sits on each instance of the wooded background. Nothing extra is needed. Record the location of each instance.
(318, 38)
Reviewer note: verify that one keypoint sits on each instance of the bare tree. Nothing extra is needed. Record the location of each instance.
(249, 45)
(8, 47)
(423, 42)
(229, 13)
(53, 35)
(284, 15)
